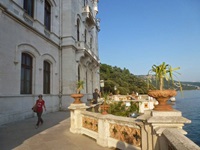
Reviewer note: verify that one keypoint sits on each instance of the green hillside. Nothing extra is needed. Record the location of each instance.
(127, 82)
(191, 85)
(124, 81)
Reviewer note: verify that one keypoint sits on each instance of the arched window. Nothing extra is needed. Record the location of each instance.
(85, 36)
(79, 74)
(29, 7)
(47, 15)
(46, 77)
(26, 74)
(78, 32)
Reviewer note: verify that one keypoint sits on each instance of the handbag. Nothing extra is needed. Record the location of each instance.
(34, 108)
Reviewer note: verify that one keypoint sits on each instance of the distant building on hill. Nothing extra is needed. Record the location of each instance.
(46, 46)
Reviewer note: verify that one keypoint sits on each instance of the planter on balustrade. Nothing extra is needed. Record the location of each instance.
(162, 96)
(77, 98)
(162, 73)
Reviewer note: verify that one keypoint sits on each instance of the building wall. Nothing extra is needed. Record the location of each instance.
(16, 39)
(79, 56)
(21, 33)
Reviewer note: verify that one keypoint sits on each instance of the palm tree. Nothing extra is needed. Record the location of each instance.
(164, 71)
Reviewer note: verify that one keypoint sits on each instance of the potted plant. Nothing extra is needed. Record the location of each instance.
(105, 106)
(77, 96)
(163, 72)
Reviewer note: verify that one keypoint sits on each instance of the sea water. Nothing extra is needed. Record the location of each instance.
(188, 102)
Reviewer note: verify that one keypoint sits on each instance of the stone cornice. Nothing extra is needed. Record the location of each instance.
(18, 20)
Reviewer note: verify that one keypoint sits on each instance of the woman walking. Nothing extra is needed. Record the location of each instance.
(40, 103)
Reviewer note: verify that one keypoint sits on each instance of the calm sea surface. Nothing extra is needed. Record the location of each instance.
(189, 105)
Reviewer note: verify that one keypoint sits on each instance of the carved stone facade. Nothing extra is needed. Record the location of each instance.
(61, 33)
(154, 130)
(90, 123)
(126, 134)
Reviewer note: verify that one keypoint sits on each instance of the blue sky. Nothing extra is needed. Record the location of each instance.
(135, 34)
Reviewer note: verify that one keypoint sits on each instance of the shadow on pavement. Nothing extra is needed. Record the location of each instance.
(14, 134)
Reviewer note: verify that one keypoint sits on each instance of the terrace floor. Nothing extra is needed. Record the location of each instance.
(54, 134)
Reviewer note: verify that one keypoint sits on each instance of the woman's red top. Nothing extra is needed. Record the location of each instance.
(40, 104)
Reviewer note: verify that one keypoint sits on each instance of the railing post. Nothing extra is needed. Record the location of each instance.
(158, 121)
(103, 131)
(75, 117)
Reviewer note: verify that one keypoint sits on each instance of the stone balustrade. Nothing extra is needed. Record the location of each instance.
(154, 130)
(175, 140)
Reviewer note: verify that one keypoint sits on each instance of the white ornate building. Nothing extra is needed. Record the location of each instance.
(46, 46)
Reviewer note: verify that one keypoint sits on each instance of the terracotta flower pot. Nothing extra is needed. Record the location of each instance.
(77, 98)
(104, 109)
(162, 96)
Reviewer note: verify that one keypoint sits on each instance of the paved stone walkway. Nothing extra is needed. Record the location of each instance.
(54, 134)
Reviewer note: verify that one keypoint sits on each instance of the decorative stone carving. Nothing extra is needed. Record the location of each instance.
(126, 134)
(86, 61)
(90, 123)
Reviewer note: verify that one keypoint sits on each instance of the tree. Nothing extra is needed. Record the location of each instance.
(122, 79)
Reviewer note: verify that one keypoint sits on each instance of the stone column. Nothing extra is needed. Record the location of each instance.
(76, 118)
(103, 131)
(158, 121)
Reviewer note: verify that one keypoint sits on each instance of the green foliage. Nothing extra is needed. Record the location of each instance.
(80, 86)
(122, 79)
(127, 82)
(164, 72)
(105, 98)
(120, 109)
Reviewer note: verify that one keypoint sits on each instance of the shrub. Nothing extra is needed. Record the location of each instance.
(120, 108)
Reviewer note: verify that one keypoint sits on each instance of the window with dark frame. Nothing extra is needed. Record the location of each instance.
(46, 78)
(26, 74)
(79, 73)
(78, 32)
(29, 7)
(85, 36)
(47, 15)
